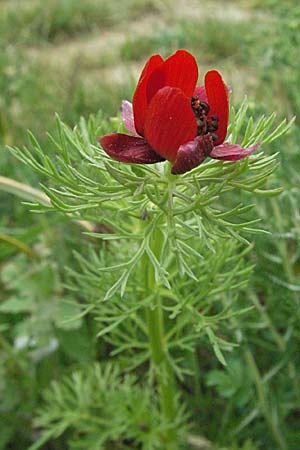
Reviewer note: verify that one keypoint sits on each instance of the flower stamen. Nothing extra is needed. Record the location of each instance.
(204, 125)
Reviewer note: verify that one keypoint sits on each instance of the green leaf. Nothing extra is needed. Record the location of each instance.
(17, 305)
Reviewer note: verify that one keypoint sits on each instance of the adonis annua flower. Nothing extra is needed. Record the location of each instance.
(172, 119)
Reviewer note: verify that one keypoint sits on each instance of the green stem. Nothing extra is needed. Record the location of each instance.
(160, 362)
(279, 340)
(290, 275)
(158, 349)
(263, 403)
(282, 248)
(18, 244)
(33, 195)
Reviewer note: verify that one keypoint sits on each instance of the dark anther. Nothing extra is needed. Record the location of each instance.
(214, 136)
(213, 126)
(205, 125)
(205, 107)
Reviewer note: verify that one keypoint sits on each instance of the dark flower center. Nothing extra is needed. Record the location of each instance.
(204, 125)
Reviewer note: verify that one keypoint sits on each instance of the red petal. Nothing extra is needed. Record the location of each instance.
(179, 70)
(200, 93)
(128, 149)
(217, 97)
(232, 152)
(170, 122)
(127, 117)
(139, 98)
(192, 154)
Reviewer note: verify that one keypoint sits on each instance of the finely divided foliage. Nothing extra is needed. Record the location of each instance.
(153, 236)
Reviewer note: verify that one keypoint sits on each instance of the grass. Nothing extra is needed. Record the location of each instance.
(209, 39)
(40, 23)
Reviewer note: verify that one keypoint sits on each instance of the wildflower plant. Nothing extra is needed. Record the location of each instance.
(167, 256)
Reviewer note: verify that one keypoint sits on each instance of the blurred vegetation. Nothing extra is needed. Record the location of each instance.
(75, 58)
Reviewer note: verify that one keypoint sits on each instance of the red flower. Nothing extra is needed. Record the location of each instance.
(172, 119)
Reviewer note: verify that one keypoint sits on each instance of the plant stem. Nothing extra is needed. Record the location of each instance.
(160, 362)
(158, 349)
(33, 195)
(281, 343)
(290, 276)
(263, 403)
